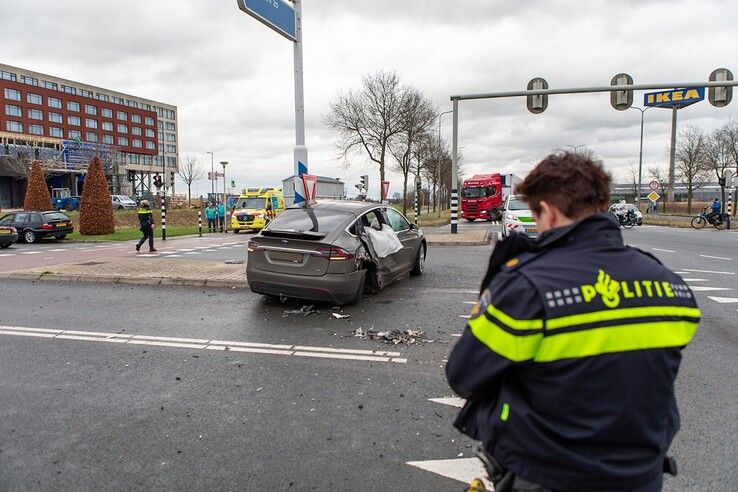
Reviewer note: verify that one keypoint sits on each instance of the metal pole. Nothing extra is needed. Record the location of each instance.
(164, 195)
(640, 162)
(670, 190)
(199, 222)
(212, 170)
(225, 204)
(454, 172)
(300, 152)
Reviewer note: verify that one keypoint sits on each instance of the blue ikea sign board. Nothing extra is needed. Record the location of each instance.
(676, 98)
(276, 14)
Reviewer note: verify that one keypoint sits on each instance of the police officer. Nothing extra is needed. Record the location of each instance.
(146, 224)
(569, 360)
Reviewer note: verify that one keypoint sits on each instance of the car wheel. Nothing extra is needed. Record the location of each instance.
(236, 231)
(30, 237)
(419, 266)
(120, 207)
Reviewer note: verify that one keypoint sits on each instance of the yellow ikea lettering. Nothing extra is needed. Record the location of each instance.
(626, 292)
(692, 94)
(677, 96)
(650, 98)
(663, 97)
(588, 292)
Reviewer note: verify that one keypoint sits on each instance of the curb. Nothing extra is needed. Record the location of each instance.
(148, 281)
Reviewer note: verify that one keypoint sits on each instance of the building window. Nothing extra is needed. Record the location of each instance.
(73, 120)
(91, 137)
(171, 137)
(86, 93)
(56, 132)
(35, 114)
(133, 104)
(107, 126)
(122, 128)
(90, 123)
(122, 116)
(149, 121)
(123, 141)
(34, 98)
(161, 135)
(108, 139)
(169, 126)
(51, 85)
(54, 102)
(36, 129)
(150, 133)
(171, 114)
(160, 124)
(148, 160)
(107, 113)
(14, 126)
(118, 100)
(7, 76)
(75, 134)
(11, 110)
(56, 118)
(134, 158)
(103, 97)
(150, 145)
(137, 143)
(29, 80)
(73, 106)
(12, 94)
(135, 118)
(159, 112)
(121, 157)
(136, 130)
(171, 149)
(89, 109)
(68, 90)
(171, 162)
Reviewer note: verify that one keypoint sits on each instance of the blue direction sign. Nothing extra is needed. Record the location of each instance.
(676, 98)
(275, 14)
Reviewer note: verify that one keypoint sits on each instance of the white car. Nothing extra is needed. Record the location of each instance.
(518, 218)
(123, 202)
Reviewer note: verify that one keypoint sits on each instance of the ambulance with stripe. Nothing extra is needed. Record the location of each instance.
(255, 208)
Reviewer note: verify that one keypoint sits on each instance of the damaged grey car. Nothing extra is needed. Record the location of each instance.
(334, 251)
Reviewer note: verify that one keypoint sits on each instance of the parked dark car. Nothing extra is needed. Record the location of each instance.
(34, 226)
(8, 235)
(334, 251)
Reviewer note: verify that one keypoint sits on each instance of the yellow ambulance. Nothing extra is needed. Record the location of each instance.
(255, 208)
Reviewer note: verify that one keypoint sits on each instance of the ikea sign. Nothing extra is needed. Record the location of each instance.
(676, 98)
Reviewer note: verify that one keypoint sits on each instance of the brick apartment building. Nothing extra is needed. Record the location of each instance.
(64, 123)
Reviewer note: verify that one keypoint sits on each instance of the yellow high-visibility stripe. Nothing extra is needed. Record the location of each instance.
(517, 324)
(623, 313)
(512, 347)
(611, 339)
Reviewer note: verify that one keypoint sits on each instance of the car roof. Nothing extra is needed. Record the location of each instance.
(352, 206)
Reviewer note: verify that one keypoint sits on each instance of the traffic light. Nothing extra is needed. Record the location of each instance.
(131, 176)
(171, 178)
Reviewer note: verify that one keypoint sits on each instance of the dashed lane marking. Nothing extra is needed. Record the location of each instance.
(696, 279)
(664, 250)
(457, 335)
(463, 470)
(57, 250)
(204, 344)
(30, 252)
(717, 257)
(174, 256)
(192, 253)
(724, 300)
(470, 302)
(6, 254)
(464, 316)
(702, 288)
(451, 401)
(708, 271)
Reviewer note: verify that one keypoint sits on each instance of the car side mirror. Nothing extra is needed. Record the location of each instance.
(414, 227)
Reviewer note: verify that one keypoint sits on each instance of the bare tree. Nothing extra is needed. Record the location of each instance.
(691, 164)
(418, 116)
(371, 117)
(720, 154)
(190, 171)
(632, 174)
(730, 134)
(661, 176)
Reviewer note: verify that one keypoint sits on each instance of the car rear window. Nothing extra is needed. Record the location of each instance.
(318, 220)
(55, 216)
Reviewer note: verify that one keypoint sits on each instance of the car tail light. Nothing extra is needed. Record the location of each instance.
(47, 226)
(334, 253)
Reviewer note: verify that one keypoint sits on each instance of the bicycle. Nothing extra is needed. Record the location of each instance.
(718, 221)
(627, 220)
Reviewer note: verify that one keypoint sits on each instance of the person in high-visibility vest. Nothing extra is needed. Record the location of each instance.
(146, 225)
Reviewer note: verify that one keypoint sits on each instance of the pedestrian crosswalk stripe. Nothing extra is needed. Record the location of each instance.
(460, 469)
(724, 300)
(717, 257)
(452, 401)
(703, 288)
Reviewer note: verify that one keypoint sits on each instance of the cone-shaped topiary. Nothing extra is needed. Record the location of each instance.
(37, 193)
(96, 209)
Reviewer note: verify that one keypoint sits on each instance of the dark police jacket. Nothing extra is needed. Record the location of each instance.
(569, 360)
(145, 219)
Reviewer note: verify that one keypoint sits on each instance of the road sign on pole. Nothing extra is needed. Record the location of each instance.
(385, 190)
(621, 100)
(275, 14)
(653, 185)
(720, 96)
(653, 196)
(538, 103)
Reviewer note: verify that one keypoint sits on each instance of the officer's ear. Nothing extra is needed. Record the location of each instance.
(550, 217)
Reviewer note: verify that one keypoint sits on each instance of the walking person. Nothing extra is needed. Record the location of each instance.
(146, 224)
(211, 214)
(569, 360)
(221, 215)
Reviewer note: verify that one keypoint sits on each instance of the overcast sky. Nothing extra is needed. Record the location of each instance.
(231, 77)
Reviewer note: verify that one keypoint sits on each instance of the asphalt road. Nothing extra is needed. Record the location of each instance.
(178, 411)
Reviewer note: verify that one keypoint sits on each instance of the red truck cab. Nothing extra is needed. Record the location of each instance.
(481, 197)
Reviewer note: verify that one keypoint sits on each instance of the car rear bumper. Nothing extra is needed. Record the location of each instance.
(54, 232)
(8, 238)
(339, 288)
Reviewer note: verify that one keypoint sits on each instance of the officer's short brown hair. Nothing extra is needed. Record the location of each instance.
(573, 183)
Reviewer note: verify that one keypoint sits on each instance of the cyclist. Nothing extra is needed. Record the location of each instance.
(716, 209)
(569, 359)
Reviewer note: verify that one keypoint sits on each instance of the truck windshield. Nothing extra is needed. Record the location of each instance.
(477, 191)
(254, 203)
(516, 204)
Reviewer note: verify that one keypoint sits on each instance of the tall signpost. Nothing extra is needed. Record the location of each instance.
(286, 20)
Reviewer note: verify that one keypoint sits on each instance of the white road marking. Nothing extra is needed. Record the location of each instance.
(708, 271)
(724, 300)
(717, 257)
(696, 279)
(183, 250)
(203, 344)
(57, 250)
(464, 316)
(451, 401)
(664, 250)
(48, 257)
(461, 469)
(192, 253)
(174, 256)
(31, 252)
(702, 288)
(470, 302)
(209, 250)
(7, 254)
(147, 255)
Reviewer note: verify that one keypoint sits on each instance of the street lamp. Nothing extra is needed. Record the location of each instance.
(225, 203)
(640, 155)
(440, 116)
(212, 171)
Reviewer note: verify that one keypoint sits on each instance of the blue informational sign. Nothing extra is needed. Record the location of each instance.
(675, 98)
(276, 14)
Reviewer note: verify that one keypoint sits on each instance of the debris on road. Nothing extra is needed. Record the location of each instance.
(392, 336)
(304, 310)
(341, 316)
